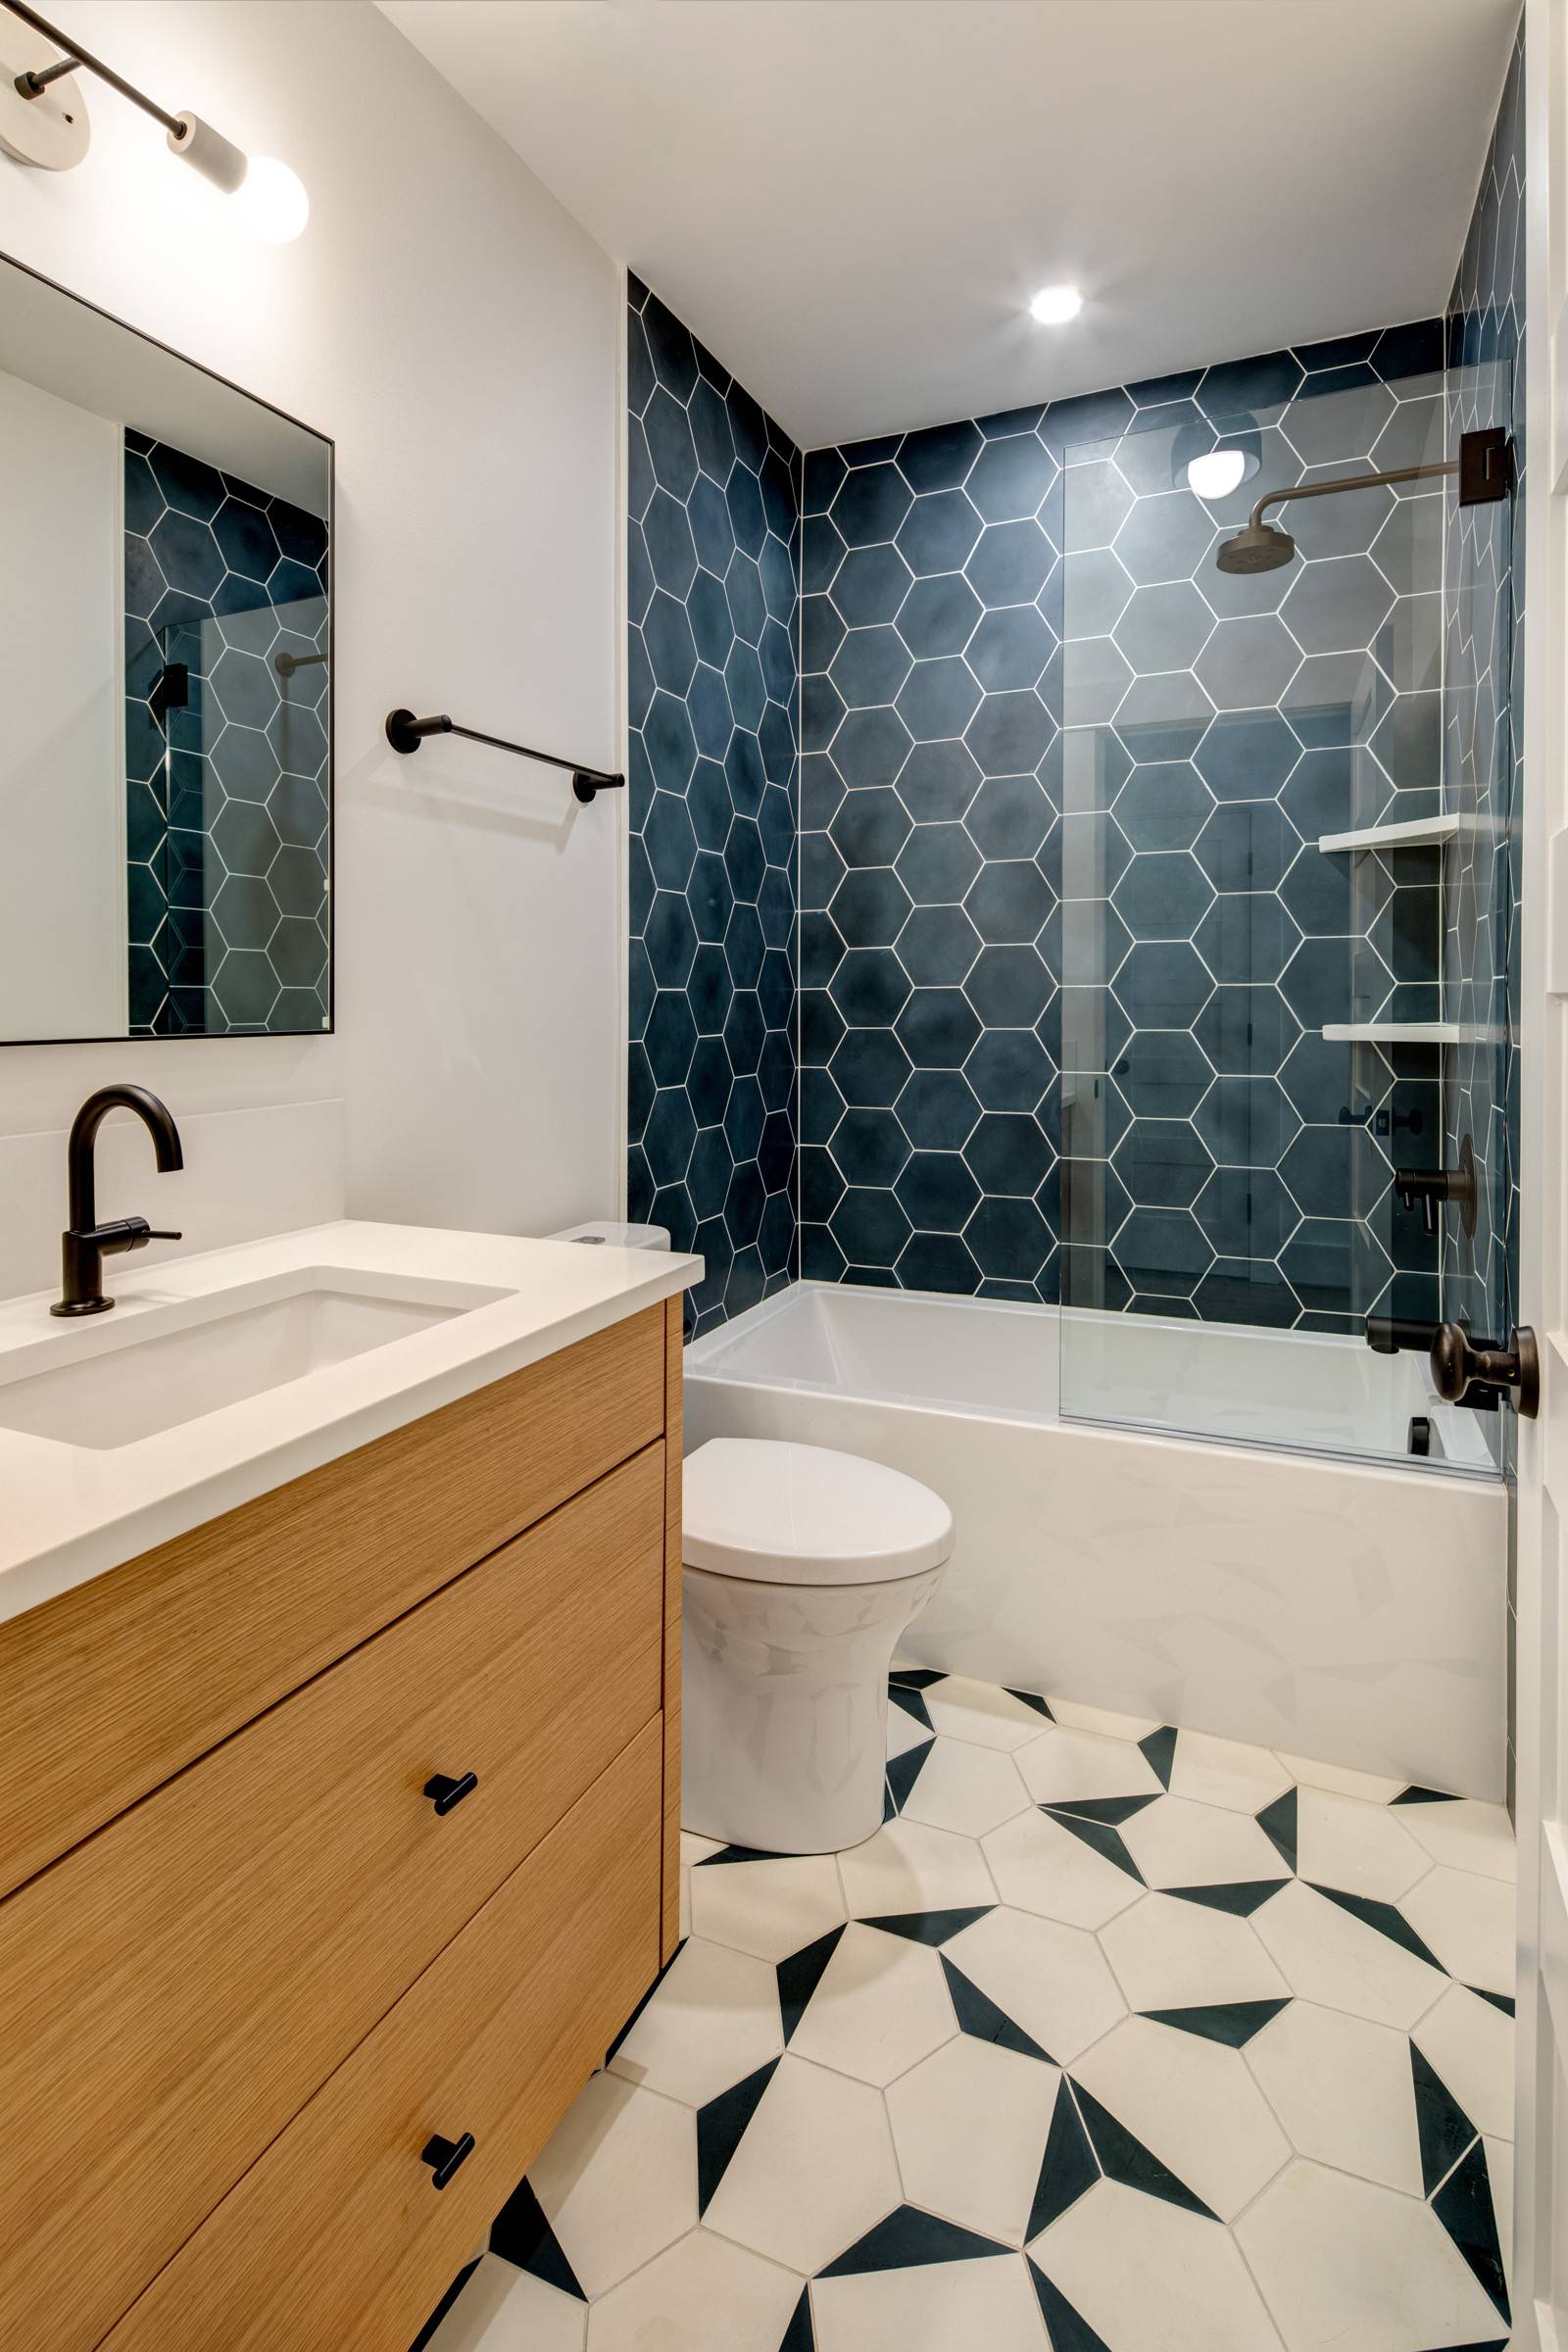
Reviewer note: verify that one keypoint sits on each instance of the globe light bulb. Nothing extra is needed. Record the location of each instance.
(272, 200)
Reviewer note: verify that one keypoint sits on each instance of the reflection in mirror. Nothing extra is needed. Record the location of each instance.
(165, 675)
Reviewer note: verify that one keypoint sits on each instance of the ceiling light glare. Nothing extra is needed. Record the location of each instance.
(1054, 306)
(1218, 473)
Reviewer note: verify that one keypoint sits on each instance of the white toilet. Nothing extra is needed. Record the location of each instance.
(802, 1568)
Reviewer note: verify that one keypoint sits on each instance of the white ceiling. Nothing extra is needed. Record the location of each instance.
(851, 201)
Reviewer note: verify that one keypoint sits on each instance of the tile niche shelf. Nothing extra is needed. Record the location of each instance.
(1410, 1033)
(1416, 833)
(1398, 1033)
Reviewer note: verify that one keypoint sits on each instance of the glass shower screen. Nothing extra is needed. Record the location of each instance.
(1250, 1015)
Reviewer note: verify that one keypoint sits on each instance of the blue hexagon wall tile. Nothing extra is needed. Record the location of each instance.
(1035, 828)
(1067, 936)
(714, 577)
(227, 822)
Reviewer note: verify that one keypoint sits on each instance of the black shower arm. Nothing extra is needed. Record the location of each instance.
(1351, 482)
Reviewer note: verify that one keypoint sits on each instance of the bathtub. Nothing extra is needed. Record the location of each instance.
(1264, 1587)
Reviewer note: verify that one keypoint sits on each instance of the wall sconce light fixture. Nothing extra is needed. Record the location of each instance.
(44, 121)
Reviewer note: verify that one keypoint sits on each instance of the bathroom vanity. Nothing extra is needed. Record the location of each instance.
(339, 1731)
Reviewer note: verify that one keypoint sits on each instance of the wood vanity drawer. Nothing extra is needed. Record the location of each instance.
(174, 1991)
(336, 2237)
(111, 1688)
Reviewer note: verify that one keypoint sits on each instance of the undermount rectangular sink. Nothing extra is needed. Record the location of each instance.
(163, 1366)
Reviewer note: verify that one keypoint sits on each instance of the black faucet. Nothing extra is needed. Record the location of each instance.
(86, 1244)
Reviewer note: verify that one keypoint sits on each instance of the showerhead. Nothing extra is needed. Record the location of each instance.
(1261, 546)
(1256, 547)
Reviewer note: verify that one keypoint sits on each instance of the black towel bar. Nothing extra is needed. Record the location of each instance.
(406, 733)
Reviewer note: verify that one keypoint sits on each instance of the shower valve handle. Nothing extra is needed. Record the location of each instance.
(1459, 1365)
(1427, 1187)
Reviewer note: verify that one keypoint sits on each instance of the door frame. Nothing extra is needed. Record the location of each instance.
(1538, 1546)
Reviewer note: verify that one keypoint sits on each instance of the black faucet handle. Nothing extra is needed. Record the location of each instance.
(121, 1234)
(1428, 1185)
(1459, 1185)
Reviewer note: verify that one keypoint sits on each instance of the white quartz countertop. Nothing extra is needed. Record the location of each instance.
(69, 1512)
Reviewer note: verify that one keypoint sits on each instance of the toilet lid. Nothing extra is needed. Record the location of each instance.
(777, 1513)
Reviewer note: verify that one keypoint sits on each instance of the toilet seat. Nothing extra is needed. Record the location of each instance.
(773, 1512)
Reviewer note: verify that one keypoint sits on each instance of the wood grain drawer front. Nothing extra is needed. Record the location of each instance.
(336, 2237)
(126, 1678)
(174, 1990)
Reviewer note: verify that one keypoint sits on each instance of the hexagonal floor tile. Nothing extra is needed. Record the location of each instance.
(1141, 2271)
(1170, 1954)
(1176, 1842)
(703, 2290)
(929, 2307)
(968, 1789)
(693, 1849)
(969, 2127)
(1226, 1771)
(1330, 1955)
(907, 1867)
(502, 2309)
(1341, 1842)
(714, 2020)
(1040, 1865)
(1463, 1834)
(880, 2005)
(1075, 1716)
(979, 1712)
(768, 1908)
(1343, 2261)
(1193, 2104)
(1469, 2044)
(905, 1733)
(1342, 2090)
(814, 2168)
(1469, 1922)
(1047, 1978)
(1339, 1780)
(1060, 1766)
(618, 2181)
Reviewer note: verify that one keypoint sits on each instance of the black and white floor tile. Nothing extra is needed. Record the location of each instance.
(1114, 2038)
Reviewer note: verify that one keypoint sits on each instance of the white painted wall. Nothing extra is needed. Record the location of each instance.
(62, 789)
(457, 333)
(247, 1173)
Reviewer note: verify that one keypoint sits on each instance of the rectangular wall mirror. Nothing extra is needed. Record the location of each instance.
(166, 769)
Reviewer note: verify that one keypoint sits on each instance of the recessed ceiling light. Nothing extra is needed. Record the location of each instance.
(1218, 473)
(1054, 306)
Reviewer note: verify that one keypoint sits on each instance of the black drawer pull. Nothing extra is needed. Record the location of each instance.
(444, 2156)
(444, 1792)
